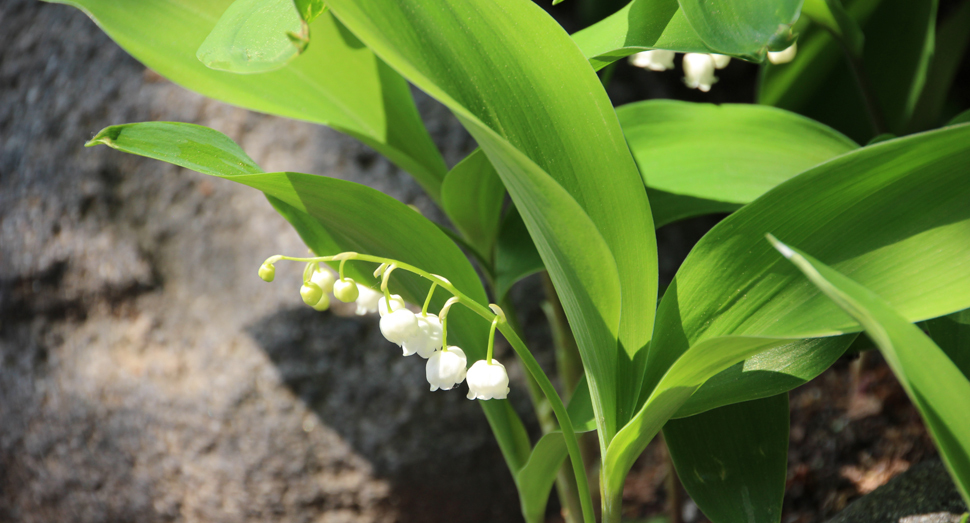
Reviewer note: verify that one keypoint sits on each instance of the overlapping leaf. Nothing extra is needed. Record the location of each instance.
(746, 28)
(893, 215)
(931, 379)
(540, 114)
(335, 216)
(337, 82)
(255, 36)
(705, 156)
(472, 196)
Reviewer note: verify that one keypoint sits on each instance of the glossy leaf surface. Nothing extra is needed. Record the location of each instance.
(733, 460)
(931, 379)
(472, 196)
(337, 82)
(744, 28)
(580, 219)
(721, 153)
(255, 36)
(639, 26)
(892, 215)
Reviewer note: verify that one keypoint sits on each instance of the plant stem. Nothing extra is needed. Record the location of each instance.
(528, 361)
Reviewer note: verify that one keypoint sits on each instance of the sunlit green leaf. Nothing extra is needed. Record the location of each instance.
(515, 256)
(472, 196)
(579, 218)
(743, 27)
(720, 153)
(310, 9)
(932, 381)
(255, 36)
(892, 215)
(337, 82)
(639, 26)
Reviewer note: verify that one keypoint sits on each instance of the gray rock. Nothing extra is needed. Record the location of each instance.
(146, 373)
(923, 494)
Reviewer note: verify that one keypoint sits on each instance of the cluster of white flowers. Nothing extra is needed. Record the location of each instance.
(698, 67)
(422, 333)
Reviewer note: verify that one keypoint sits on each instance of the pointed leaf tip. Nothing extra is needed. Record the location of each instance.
(781, 247)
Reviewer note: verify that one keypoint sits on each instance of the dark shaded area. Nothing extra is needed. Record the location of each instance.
(436, 448)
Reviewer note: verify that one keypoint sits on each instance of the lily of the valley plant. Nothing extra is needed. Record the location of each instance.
(853, 161)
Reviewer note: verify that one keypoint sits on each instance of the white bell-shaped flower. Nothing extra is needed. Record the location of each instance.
(655, 60)
(699, 71)
(397, 303)
(720, 60)
(324, 279)
(488, 381)
(367, 300)
(427, 339)
(399, 326)
(783, 57)
(446, 368)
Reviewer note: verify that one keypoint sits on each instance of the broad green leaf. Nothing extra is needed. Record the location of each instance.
(515, 255)
(772, 372)
(472, 196)
(952, 40)
(721, 153)
(892, 215)
(932, 381)
(337, 82)
(952, 334)
(732, 460)
(641, 25)
(335, 216)
(746, 28)
(536, 478)
(579, 193)
(310, 9)
(255, 36)
(668, 207)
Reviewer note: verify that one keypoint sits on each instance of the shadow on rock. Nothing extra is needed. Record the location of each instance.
(435, 449)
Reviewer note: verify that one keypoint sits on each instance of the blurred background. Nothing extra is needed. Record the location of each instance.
(147, 374)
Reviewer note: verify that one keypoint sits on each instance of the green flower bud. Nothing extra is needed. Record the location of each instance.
(311, 293)
(267, 271)
(345, 290)
(323, 304)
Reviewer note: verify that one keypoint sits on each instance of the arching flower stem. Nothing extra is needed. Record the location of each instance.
(491, 339)
(427, 301)
(528, 360)
(384, 281)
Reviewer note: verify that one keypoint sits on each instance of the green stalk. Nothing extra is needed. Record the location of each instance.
(528, 361)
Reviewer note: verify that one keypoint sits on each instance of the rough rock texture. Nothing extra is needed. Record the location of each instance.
(146, 373)
(923, 494)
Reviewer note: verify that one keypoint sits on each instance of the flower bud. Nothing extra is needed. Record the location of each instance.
(427, 339)
(323, 304)
(367, 300)
(655, 60)
(345, 290)
(267, 271)
(699, 71)
(783, 57)
(446, 368)
(720, 60)
(488, 381)
(397, 303)
(399, 325)
(311, 293)
(324, 279)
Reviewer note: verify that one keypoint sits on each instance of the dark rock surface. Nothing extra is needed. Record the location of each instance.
(146, 373)
(923, 494)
